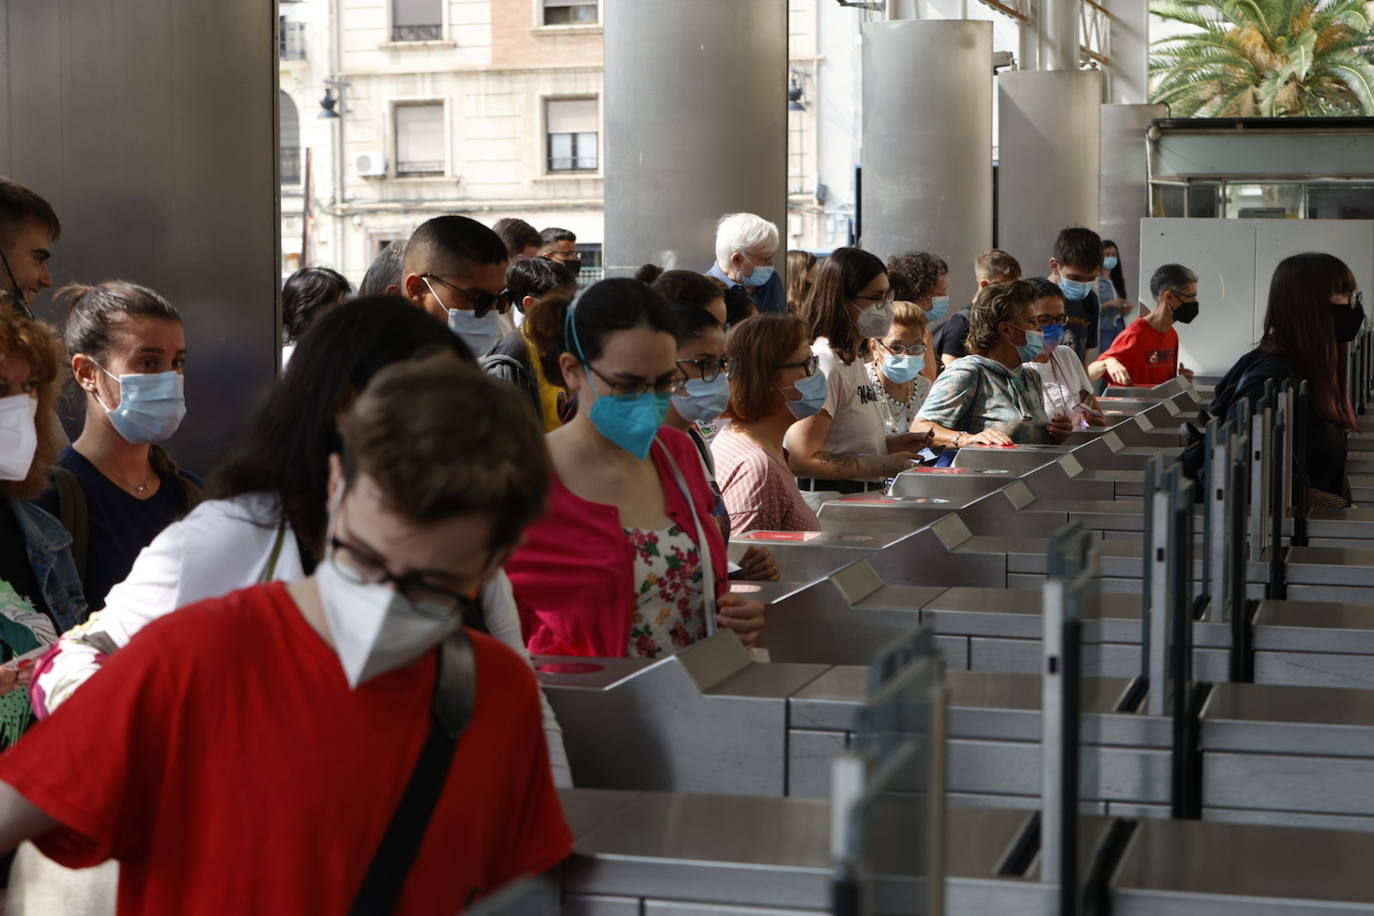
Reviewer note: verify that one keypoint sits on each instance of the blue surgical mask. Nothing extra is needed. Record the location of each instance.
(1054, 336)
(1033, 347)
(813, 390)
(900, 369)
(630, 422)
(938, 307)
(1110, 262)
(703, 401)
(480, 334)
(760, 276)
(1074, 289)
(150, 406)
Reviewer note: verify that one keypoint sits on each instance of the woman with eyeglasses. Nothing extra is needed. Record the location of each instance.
(896, 366)
(627, 560)
(986, 398)
(774, 379)
(1067, 388)
(843, 447)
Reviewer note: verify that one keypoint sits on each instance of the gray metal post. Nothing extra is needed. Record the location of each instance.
(1216, 499)
(1060, 33)
(1125, 192)
(928, 154)
(696, 125)
(152, 130)
(1049, 154)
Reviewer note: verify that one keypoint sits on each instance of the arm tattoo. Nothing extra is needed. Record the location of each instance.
(840, 464)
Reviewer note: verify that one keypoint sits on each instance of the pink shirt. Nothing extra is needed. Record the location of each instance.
(574, 577)
(760, 494)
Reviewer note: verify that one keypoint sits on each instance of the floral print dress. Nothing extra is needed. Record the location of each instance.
(669, 611)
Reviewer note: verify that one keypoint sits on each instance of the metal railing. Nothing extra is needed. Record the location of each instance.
(417, 32)
(292, 41)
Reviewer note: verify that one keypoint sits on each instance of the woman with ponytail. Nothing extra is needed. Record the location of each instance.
(127, 350)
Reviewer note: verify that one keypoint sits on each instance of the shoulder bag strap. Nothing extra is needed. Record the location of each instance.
(708, 569)
(74, 515)
(269, 572)
(454, 695)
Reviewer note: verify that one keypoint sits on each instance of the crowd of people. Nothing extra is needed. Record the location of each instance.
(471, 461)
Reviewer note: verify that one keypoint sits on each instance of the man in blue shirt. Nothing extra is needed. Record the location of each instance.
(745, 247)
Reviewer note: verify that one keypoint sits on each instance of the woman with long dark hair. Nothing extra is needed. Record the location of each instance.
(1314, 312)
(843, 447)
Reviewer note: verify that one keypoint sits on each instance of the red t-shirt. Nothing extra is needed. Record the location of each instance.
(223, 760)
(1149, 356)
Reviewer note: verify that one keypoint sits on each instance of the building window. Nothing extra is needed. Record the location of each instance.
(420, 148)
(292, 39)
(572, 131)
(417, 20)
(569, 12)
(290, 129)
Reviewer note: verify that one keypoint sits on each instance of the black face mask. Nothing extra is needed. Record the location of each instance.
(574, 265)
(1186, 312)
(1348, 319)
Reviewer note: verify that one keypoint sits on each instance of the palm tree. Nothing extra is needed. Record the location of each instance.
(1265, 58)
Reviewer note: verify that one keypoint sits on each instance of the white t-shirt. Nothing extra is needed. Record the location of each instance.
(856, 418)
(1063, 380)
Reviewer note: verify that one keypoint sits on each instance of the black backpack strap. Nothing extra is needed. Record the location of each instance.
(454, 695)
(73, 514)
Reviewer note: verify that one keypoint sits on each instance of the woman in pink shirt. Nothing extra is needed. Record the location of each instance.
(627, 560)
(774, 381)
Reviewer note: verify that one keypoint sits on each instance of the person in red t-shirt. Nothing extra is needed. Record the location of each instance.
(246, 754)
(1146, 353)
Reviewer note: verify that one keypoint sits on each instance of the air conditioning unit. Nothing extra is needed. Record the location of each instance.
(370, 165)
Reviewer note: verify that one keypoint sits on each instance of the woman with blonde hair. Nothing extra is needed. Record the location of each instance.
(896, 367)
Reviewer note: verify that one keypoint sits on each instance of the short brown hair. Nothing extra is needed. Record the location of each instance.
(996, 266)
(441, 439)
(994, 304)
(517, 235)
(39, 343)
(17, 204)
(755, 348)
(922, 269)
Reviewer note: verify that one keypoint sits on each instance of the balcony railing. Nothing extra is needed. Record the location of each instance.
(293, 41)
(417, 32)
(290, 165)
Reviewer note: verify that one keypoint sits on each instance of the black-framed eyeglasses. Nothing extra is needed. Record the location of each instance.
(363, 568)
(708, 368)
(482, 301)
(879, 299)
(660, 386)
(1047, 321)
(810, 365)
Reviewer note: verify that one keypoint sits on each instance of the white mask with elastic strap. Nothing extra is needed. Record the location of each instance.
(18, 435)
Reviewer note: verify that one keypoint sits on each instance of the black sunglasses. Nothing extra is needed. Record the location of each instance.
(482, 301)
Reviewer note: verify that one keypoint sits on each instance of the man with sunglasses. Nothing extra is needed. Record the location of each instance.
(1146, 353)
(455, 269)
(341, 743)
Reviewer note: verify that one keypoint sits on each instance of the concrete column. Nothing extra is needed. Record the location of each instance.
(1129, 43)
(1125, 191)
(1048, 125)
(1059, 33)
(151, 127)
(928, 151)
(696, 125)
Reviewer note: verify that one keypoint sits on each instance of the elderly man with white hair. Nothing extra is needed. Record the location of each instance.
(745, 247)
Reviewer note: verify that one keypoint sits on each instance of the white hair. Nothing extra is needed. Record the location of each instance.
(741, 232)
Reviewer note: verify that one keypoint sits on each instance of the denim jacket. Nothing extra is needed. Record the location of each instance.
(50, 557)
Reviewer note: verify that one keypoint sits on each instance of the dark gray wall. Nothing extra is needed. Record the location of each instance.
(151, 126)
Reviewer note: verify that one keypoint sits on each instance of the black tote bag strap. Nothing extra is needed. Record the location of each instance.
(454, 694)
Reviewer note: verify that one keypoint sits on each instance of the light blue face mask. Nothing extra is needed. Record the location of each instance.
(939, 306)
(760, 276)
(1074, 289)
(702, 401)
(1110, 262)
(1033, 347)
(900, 369)
(480, 334)
(150, 406)
(631, 422)
(813, 390)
